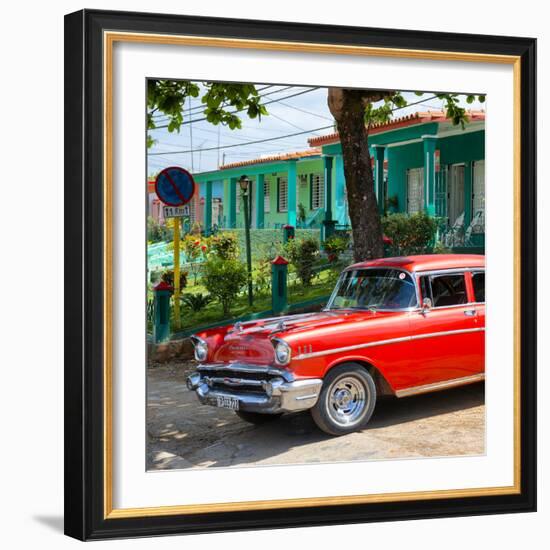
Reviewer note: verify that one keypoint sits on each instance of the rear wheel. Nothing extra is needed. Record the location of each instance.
(256, 418)
(347, 400)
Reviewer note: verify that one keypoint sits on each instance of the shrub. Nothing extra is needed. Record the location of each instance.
(302, 254)
(410, 233)
(262, 276)
(334, 246)
(168, 277)
(196, 302)
(224, 279)
(440, 248)
(301, 217)
(196, 229)
(225, 246)
(194, 249)
(156, 232)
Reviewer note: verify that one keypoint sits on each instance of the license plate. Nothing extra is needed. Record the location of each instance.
(227, 402)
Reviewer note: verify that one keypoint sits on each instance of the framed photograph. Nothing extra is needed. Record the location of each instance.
(277, 241)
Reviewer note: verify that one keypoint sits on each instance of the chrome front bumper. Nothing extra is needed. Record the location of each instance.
(259, 388)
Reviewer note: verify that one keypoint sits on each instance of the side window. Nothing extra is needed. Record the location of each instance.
(448, 290)
(425, 289)
(478, 281)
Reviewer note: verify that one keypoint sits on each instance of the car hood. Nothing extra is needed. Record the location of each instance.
(252, 341)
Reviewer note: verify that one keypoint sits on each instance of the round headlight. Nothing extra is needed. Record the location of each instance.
(201, 349)
(282, 352)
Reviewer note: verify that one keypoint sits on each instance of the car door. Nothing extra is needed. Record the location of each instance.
(478, 292)
(445, 336)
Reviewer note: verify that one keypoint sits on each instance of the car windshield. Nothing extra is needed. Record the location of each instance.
(373, 289)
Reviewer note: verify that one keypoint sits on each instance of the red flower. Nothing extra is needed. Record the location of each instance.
(203, 247)
(197, 243)
(386, 240)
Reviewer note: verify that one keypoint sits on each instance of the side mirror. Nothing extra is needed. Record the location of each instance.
(426, 306)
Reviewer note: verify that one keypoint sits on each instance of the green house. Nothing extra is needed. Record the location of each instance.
(421, 162)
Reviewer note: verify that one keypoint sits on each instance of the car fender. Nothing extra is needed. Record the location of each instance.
(362, 360)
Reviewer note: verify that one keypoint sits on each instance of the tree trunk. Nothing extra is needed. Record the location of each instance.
(348, 108)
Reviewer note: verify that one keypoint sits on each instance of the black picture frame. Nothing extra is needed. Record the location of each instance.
(84, 282)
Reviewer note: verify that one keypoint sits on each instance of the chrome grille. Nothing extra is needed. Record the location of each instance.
(257, 379)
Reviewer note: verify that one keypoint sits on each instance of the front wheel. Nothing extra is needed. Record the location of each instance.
(256, 418)
(347, 400)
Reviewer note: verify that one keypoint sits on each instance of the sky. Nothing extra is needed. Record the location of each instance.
(291, 110)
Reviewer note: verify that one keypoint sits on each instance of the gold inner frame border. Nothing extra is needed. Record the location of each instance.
(109, 39)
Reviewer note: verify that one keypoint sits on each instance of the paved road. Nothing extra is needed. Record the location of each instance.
(184, 434)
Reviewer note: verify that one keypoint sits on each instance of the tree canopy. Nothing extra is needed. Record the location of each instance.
(354, 111)
(222, 103)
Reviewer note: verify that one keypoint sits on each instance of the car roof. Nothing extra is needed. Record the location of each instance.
(426, 262)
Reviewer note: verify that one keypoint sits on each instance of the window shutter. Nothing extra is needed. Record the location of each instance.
(311, 191)
(278, 194)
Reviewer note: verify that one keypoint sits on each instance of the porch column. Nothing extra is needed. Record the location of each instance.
(232, 206)
(291, 190)
(379, 151)
(328, 223)
(340, 188)
(260, 201)
(208, 208)
(429, 174)
(468, 172)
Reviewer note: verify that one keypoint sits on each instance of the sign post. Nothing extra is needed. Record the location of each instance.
(177, 289)
(175, 187)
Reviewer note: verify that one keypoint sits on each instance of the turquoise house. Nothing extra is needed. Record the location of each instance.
(421, 162)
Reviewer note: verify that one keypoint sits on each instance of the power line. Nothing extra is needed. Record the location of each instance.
(287, 122)
(191, 141)
(305, 111)
(237, 110)
(199, 107)
(312, 131)
(165, 118)
(244, 109)
(161, 145)
(249, 143)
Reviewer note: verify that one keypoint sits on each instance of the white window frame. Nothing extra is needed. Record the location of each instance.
(317, 191)
(418, 205)
(478, 188)
(455, 193)
(282, 189)
(267, 195)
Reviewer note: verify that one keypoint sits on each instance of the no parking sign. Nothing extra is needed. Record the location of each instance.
(174, 186)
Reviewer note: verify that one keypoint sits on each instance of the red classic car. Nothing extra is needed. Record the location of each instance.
(397, 326)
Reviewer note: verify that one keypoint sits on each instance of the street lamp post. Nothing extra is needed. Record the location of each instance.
(244, 182)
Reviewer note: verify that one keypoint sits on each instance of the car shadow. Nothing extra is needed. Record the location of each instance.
(218, 438)
(392, 410)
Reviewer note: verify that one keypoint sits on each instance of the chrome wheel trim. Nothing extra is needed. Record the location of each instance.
(347, 400)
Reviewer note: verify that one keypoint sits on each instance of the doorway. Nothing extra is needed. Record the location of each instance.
(455, 208)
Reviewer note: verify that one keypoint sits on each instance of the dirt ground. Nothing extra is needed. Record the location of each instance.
(184, 434)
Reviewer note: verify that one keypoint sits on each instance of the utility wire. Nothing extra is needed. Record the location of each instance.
(199, 107)
(305, 111)
(288, 122)
(191, 138)
(163, 119)
(249, 143)
(244, 109)
(215, 132)
(281, 137)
